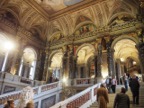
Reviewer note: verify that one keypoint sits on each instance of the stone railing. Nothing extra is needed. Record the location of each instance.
(10, 83)
(38, 92)
(81, 100)
(18, 79)
(83, 81)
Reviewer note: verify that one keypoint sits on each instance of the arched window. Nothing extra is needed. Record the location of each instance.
(28, 63)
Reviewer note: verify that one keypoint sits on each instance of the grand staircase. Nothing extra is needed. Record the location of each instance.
(112, 97)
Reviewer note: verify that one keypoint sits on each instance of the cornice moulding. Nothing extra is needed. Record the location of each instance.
(74, 8)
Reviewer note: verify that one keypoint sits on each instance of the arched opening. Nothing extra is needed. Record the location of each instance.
(85, 61)
(28, 63)
(126, 57)
(56, 66)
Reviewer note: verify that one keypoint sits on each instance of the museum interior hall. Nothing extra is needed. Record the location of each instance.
(64, 49)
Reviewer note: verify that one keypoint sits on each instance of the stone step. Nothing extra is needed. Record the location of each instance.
(112, 97)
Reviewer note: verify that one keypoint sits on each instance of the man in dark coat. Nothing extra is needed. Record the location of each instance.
(134, 85)
(122, 100)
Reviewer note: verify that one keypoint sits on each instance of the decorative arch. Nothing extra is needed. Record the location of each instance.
(28, 63)
(115, 16)
(56, 36)
(83, 45)
(81, 18)
(134, 39)
(56, 63)
(54, 52)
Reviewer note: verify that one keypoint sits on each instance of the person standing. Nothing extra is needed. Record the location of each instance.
(122, 100)
(125, 80)
(114, 83)
(108, 84)
(102, 96)
(134, 85)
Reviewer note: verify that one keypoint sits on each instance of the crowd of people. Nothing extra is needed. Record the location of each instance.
(121, 99)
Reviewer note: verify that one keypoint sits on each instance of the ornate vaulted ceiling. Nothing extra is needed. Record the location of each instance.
(53, 6)
(44, 18)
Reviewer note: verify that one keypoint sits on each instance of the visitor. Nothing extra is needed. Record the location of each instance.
(9, 104)
(30, 105)
(134, 85)
(125, 80)
(108, 84)
(122, 100)
(102, 97)
(114, 83)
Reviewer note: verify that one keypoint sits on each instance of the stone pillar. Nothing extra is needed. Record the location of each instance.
(65, 65)
(46, 67)
(118, 70)
(95, 64)
(75, 66)
(18, 60)
(1, 60)
(5, 61)
(26, 70)
(15, 64)
(40, 65)
(49, 71)
(110, 59)
(98, 64)
(140, 47)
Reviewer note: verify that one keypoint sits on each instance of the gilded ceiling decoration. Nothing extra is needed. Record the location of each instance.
(52, 6)
(32, 15)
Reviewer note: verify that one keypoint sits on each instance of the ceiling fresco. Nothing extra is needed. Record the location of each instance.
(52, 6)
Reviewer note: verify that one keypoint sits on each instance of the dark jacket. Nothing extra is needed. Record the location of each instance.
(122, 101)
(134, 85)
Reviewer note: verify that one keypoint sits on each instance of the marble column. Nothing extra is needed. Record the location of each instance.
(75, 66)
(26, 70)
(110, 59)
(95, 65)
(99, 61)
(1, 60)
(49, 71)
(17, 53)
(46, 66)
(118, 70)
(40, 66)
(140, 48)
(18, 60)
(5, 61)
(65, 65)
(98, 64)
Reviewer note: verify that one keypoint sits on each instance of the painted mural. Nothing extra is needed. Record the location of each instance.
(52, 6)
(84, 29)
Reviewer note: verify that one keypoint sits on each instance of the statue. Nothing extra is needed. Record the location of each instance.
(26, 96)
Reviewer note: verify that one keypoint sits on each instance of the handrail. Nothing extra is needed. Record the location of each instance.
(84, 98)
(37, 90)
